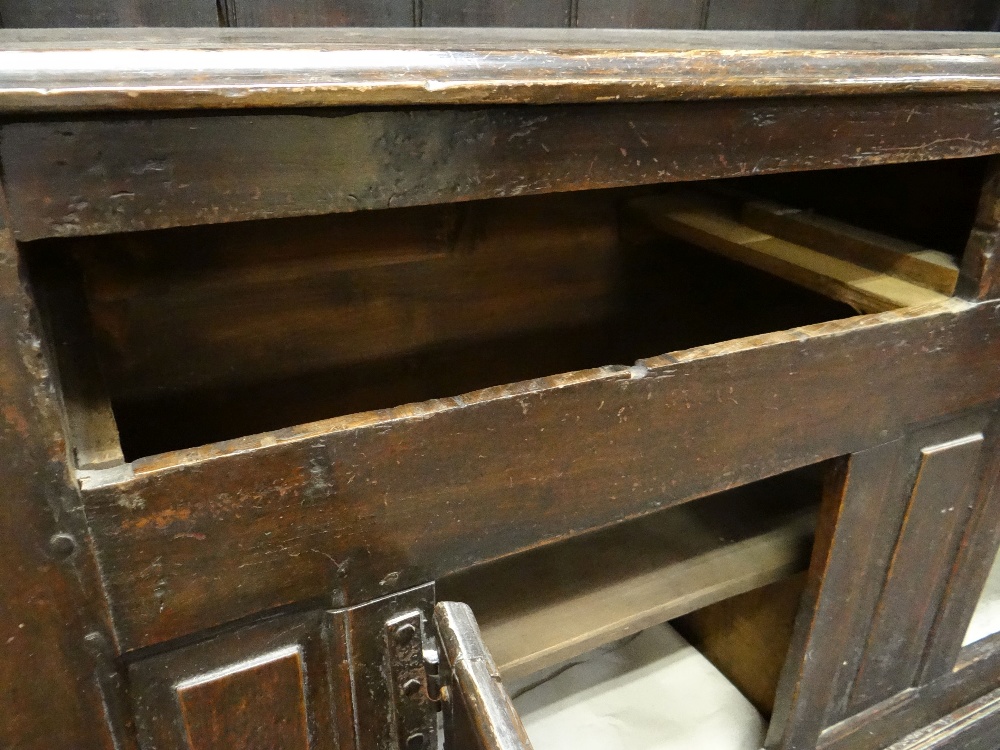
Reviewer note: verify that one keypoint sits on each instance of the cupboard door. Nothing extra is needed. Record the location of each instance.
(268, 685)
(479, 714)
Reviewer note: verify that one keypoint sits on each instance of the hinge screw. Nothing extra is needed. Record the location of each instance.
(410, 687)
(404, 633)
(62, 545)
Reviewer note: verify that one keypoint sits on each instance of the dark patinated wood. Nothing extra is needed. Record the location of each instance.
(68, 180)
(972, 727)
(91, 13)
(246, 587)
(112, 70)
(972, 565)
(52, 629)
(298, 320)
(422, 514)
(310, 13)
(975, 675)
(758, 14)
(957, 15)
(896, 588)
(477, 698)
(980, 278)
(857, 496)
(52, 622)
(936, 515)
(266, 685)
(503, 13)
(372, 683)
(640, 14)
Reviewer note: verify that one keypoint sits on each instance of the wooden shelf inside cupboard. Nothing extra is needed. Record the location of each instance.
(540, 608)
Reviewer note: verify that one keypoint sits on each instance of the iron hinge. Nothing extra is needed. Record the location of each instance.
(415, 681)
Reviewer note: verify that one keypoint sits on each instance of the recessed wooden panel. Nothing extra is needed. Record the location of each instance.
(268, 685)
(936, 515)
(90, 13)
(858, 495)
(368, 13)
(640, 14)
(257, 703)
(897, 15)
(537, 13)
(759, 14)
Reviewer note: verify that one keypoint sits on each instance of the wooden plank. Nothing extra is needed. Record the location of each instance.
(986, 16)
(601, 587)
(701, 221)
(837, 14)
(928, 268)
(114, 175)
(96, 13)
(502, 13)
(278, 13)
(826, 635)
(91, 430)
(972, 727)
(393, 498)
(69, 70)
(640, 14)
(56, 685)
(936, 514)
(980, 273)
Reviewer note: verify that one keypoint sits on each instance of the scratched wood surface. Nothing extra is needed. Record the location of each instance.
(203, 544)
(579, 450)
(350, 313)
(97, 69)
(125, 174)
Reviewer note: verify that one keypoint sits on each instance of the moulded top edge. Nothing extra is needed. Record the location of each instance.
(164, 69)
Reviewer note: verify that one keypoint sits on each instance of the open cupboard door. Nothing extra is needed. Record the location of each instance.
(478, 712)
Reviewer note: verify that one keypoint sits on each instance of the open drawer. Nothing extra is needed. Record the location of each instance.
(621, 368)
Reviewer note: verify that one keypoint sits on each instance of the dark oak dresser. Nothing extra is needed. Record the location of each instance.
(352, 377)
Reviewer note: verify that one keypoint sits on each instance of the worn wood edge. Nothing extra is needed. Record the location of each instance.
(705, 221)
(957, 728)
(753, 562)
(879, 726)
(234, 68)
(476, 680)
(185, 458)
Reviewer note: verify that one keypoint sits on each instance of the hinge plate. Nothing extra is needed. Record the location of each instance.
(413, 681)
